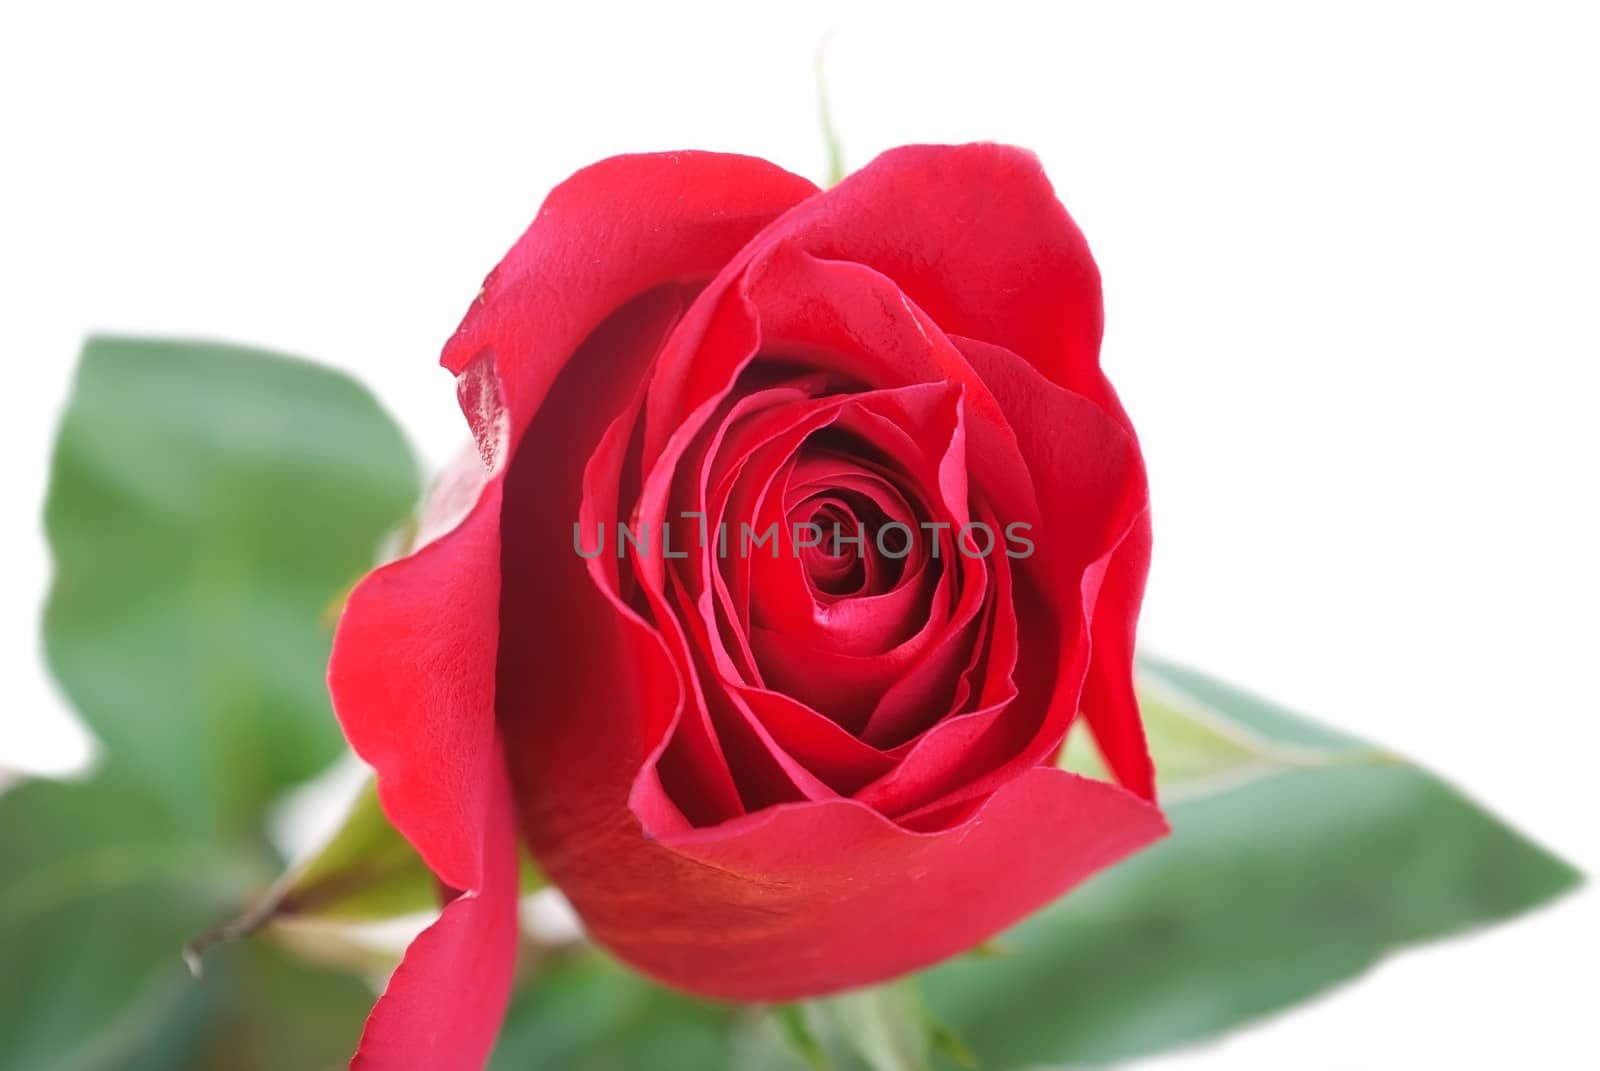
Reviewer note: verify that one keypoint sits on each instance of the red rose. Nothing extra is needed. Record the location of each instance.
(762, 768)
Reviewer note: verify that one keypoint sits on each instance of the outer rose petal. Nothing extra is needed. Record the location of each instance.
(413, 669)
(1108, 700)
(976, 237)
(414, 689)
(1036, 407)
(443, 1005)
(412, 680)
(838, 896)
(608, 234)
(807, 898)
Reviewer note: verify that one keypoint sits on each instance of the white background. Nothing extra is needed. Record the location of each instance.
(1351, 258)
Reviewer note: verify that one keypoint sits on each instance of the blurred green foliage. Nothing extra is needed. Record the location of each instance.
(1301, 869)
(208, 505)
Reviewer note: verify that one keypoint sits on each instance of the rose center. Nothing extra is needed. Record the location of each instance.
(842, 544)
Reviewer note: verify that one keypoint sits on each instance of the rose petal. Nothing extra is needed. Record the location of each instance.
(1111, 464)
(442, 1007)
(606, 235)
(811, 898)
(412, 681)
(1108, 700)
(976, 237)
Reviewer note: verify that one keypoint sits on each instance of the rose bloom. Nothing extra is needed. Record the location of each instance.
(761, 776)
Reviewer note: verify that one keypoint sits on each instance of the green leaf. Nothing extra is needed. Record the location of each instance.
(98, 895)
(366, 872)
(265, 1010)
(94, 900)
(886, 1027)
(1298, 858)
(797, 1033)
(882, 1028)
(585, 1012)
(1200, 750)
(206, 503)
